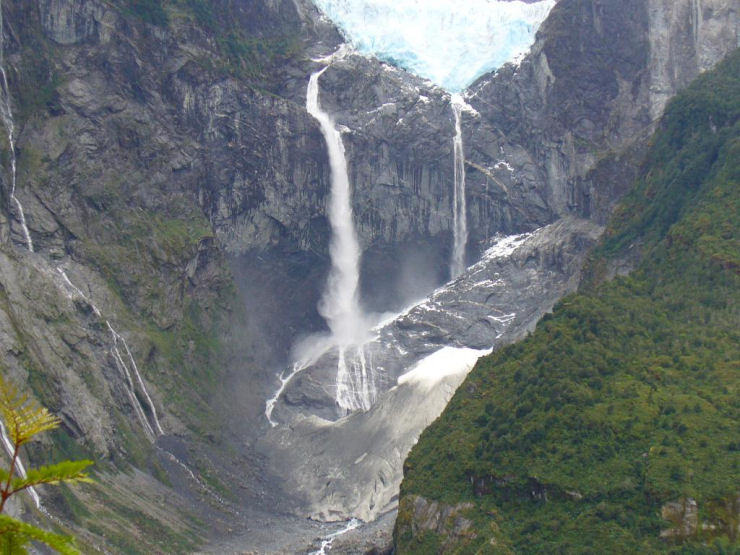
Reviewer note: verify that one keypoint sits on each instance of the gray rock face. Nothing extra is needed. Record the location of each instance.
(70, 22)
(687, 38)
(582, 97)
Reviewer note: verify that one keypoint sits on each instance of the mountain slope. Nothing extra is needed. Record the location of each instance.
(616, 421)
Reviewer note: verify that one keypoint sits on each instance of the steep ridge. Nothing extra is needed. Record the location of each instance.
(612, 427)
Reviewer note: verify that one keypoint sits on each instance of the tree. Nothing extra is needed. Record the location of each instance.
(22, 418)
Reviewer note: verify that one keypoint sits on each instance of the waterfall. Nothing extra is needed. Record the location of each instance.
(129, 370)
(6, 113)
(340, 305)
(460, 226)
(284, 380)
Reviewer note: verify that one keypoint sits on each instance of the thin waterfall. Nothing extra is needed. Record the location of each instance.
(126, 365)
(340, 304)
(460, 225)
(284, 380)
(6, 113)
(127, 370)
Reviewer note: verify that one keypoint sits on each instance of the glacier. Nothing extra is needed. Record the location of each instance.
(449, 43)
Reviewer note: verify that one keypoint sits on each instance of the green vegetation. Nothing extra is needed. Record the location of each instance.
(22, 420)
(626, 397)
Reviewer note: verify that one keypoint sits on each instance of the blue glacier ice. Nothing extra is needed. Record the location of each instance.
(449, 42)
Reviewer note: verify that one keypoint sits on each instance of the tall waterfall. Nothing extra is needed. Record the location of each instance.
(340, 304)
(6, 113)
(460, 225)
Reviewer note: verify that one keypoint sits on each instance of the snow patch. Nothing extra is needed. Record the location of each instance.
(448, 361)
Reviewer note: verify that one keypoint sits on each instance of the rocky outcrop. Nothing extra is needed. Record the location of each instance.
(443, 526)
(720, 517)
(684, 515)
(498, 300)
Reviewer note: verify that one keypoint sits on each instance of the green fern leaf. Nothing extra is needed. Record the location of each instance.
(15, 535)
(23, 416)
(66, 471)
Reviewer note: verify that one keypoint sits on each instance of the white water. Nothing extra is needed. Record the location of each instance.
(129, 371)
(460, 231)
(6, 113)
(328, 540)
(284, 380)
(356, 385)
(450, 43)
(340, 305)
(18, 464)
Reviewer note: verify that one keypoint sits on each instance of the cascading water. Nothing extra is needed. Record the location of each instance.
(460, 226)
(129, 370)
(6, 113)
(329, 540)
(340, 305)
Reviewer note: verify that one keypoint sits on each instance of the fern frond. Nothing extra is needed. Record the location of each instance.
(66, 471)
(14, 535)
(23, 417)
